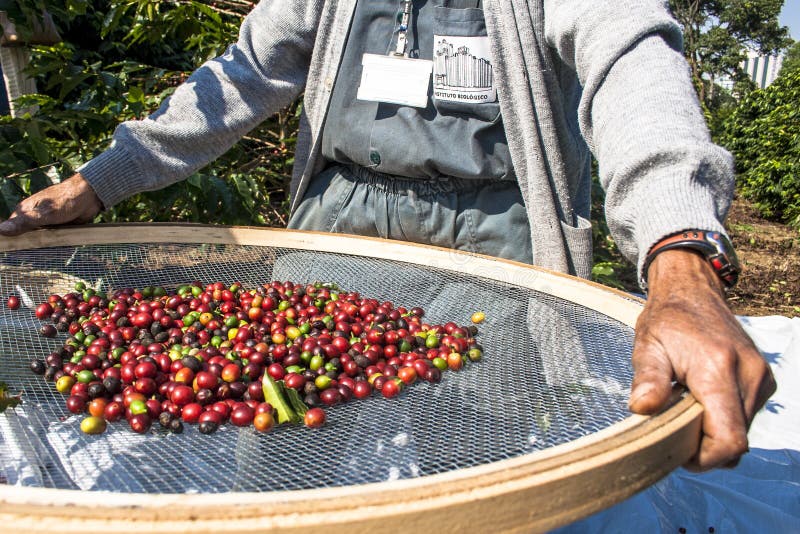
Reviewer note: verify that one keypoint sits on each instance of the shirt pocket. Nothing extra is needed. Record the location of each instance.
(463, 70)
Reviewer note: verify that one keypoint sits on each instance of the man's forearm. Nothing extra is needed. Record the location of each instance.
(678, 271)
(219, 103)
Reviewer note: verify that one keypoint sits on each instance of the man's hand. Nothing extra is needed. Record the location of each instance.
(687, 333)
(71, 201)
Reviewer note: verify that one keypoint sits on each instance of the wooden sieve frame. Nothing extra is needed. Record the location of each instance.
(533, 492)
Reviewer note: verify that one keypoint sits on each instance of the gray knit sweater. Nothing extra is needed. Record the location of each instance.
(572, 76)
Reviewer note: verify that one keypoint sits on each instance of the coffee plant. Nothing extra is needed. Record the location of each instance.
(117, 61)
(764, 136)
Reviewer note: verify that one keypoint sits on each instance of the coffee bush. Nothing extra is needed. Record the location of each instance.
(764, 136)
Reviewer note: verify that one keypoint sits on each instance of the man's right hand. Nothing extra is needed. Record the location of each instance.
(71, 201)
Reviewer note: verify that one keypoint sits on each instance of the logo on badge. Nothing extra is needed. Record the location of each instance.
(462, 69)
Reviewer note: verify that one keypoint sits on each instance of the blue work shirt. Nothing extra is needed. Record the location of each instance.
(452, 136)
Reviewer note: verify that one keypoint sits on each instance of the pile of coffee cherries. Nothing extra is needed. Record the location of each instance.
(217, 353)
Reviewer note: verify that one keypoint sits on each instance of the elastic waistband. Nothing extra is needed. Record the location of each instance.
(402, 185)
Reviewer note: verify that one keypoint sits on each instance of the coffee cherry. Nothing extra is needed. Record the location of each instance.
(64, 384)
(97, 407)
(362, 389)
(208, 427)
(182, 395)
(140, 423)
(242, 415)
(433, 375)
(175, 426)
(38, 367)
(165, 419)
(475, 354)
(43, 311)
(191, 412)
(330, 396)
(407, 374)
(263, 422)
(93, 425)
(48, 330)
(314, 418)
(200, 354)
(391, 388)
(76, 404)
(113, 411)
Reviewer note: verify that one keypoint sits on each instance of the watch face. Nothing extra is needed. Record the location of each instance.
(724, 259)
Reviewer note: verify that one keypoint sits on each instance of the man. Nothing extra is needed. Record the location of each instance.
(469, 125)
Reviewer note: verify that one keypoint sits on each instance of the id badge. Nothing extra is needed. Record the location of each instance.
(395, 80)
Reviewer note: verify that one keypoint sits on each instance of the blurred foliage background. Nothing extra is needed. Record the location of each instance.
(119, 59)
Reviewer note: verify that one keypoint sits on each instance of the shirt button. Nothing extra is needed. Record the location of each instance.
(375, 157)
(328, 83)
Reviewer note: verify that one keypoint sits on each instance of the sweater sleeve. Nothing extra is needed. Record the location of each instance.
(640, 115)
(220, 102)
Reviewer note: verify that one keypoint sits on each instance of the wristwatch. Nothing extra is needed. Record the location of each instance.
(714, 246)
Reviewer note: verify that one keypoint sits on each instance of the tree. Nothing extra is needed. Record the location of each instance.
(791, 61)
(718, 32)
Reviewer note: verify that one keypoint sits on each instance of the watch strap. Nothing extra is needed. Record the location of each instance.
(712, 245)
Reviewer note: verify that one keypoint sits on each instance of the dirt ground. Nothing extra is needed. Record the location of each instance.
(770, 257)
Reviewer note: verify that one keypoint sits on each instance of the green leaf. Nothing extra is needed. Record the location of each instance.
(112, 19)
(294, 399)
(602, 269)
(71, 83)
(274, 394)
(39, 180)
(37, 145)
(135, 94)
(10, 196)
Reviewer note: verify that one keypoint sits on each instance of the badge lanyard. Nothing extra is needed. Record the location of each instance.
(402, 41)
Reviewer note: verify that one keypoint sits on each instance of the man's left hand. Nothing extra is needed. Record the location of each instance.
(70, 201)
(687, 333)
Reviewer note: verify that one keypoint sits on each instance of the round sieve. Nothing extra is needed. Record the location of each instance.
(536, 434)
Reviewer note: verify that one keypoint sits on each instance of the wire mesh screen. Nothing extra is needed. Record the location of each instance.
(552, 372)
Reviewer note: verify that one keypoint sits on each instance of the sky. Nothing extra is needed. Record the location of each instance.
(790, 16)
